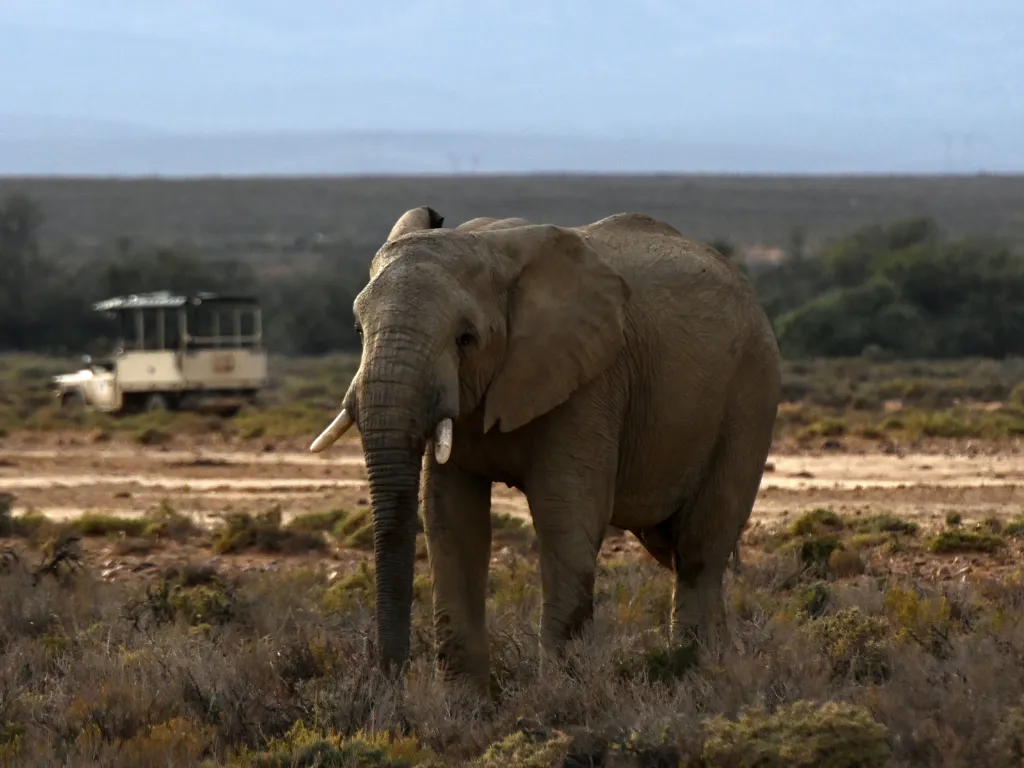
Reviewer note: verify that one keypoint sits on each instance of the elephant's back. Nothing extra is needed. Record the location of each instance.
(640, 246)
(663, 267)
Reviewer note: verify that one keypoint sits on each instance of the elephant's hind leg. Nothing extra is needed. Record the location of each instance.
(706, 537)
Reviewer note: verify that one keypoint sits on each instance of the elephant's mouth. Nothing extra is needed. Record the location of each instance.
(343, 422)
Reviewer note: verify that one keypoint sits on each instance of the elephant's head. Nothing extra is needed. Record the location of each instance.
(501, 325)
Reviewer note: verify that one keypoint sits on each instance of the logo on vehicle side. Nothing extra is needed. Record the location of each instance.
(223, 364)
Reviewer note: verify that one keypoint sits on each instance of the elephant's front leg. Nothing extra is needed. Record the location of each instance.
(457, 516)
(571, 505)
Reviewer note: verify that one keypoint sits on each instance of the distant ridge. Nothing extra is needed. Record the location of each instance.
(66, 148)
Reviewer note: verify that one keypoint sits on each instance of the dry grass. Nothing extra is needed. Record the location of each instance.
(210, 665)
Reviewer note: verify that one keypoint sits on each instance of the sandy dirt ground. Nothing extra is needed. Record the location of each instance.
(66, 480)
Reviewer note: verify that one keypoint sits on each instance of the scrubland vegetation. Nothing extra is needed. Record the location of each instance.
(843, 399)
(841, 657)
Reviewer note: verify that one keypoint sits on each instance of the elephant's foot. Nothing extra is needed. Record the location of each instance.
(466, 669)
(698, 612)
(473, 684)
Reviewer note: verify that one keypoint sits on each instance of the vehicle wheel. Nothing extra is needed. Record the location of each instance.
(72, 401)
(156, 402)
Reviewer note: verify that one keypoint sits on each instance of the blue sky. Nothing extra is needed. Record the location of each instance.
(798, 71)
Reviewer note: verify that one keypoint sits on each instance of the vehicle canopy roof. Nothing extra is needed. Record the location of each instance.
(168, 300)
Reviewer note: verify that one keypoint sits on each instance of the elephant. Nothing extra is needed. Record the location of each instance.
(617, 373)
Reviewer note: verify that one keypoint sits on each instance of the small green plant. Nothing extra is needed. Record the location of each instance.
(201, 605)
(815, 599)
(303, 747)
(356, 588)
(6, 514)
(26, 525)
(992, 524)
(355, 531)
(827, 427)
(662, 665)
(317, 522)
(870, 540)
(1015, 528)
(99, 524)
(152, 436)
(954, 519)
(845, 562)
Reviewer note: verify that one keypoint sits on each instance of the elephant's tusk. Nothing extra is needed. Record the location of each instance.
(443, 441)
(335, 430)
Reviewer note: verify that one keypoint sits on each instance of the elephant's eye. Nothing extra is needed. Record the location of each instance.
(465, 339)
(359, 330)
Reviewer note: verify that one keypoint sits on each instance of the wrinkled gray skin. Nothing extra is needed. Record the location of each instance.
(616, 373)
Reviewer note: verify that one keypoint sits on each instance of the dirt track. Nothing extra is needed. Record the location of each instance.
(67, 480)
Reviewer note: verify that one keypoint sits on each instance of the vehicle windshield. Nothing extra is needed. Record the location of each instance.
(218, 325)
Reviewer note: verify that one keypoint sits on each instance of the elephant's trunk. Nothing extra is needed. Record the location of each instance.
(394, 420)
(394, 487)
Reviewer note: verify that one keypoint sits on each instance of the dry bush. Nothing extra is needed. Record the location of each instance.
(242, 532)
(202, 667)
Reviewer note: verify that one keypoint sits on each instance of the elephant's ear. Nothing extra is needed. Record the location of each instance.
(414, 220)
(566, 319)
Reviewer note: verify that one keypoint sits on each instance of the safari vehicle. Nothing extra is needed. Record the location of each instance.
(203, 352)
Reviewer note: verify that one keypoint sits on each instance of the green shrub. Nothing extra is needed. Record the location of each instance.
(263, 532)
(884, 523)
(165, 522)
(815, 552)
(801, 735)
(302, 747)
(854, 644)
(815, 521)
(956, 540)
(522, 751)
